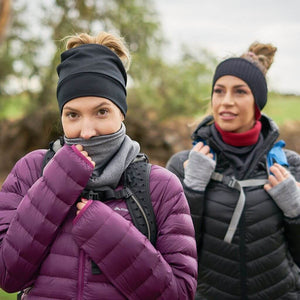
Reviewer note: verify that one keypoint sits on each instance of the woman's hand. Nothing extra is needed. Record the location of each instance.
(84, 153)
(80, 205)
(201, 148)
(198, 168)
(280, 174)
(284, 190)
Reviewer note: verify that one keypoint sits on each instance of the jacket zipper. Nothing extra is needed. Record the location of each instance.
(80, 275)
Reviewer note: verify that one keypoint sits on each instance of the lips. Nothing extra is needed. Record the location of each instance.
(227, 115)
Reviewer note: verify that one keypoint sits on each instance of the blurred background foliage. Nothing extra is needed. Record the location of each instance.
(165, 97)
(33, 43)
(158, 89)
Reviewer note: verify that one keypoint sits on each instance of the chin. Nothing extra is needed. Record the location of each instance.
(227, 127)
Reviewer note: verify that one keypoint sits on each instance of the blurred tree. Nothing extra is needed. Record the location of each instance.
(135, 20)
(4, 17)
(30, 39)
(177, 89)
(157, 88)
(18, 50)
(33, 46)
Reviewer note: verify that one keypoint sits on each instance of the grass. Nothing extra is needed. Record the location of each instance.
(6, 296)
(282, 108)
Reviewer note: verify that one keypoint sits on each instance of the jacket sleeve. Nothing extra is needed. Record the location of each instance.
(32, 207)
(292, 226)
(195, 198)
(126, 256)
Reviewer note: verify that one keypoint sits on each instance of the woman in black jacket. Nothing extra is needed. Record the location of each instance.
(242, 189)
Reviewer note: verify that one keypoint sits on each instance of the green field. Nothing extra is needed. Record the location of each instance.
(6, 296)
(282, 108)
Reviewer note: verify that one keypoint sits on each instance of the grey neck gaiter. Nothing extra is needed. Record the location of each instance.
(100, 148)
(112, 154)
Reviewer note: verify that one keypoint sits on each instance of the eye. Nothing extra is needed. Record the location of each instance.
(103, 112)
(71, 115)
(241, 91)
(217, 90)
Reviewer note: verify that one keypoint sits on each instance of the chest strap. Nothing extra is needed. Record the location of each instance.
(237, 185)
(106, 194)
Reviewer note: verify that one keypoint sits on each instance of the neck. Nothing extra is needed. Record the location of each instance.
(242, 139)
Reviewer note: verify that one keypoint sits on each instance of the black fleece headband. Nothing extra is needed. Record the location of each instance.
(91, 70)
(248, 72)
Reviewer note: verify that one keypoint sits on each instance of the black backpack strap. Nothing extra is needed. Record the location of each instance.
(136, 192)
(53, 147)
(106, 194)
(137, 180)
(238, 185)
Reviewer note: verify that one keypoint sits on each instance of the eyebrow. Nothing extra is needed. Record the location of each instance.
(104, 103)
(235, 86)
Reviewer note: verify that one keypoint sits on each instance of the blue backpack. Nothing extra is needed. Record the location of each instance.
(276, 154)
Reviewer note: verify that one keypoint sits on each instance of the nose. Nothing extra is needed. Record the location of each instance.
(88, 129)
(227, 99)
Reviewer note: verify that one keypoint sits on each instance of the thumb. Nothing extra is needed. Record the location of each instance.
(267, 186)
(79, 147)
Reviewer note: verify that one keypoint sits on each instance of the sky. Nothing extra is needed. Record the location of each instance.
(227, 27)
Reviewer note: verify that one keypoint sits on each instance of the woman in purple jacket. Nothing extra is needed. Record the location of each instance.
(50, 239)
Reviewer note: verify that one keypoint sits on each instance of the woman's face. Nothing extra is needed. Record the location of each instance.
(86, 117)
(233, 104)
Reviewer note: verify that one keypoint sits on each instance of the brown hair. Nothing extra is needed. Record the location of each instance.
(262, 55)
(111, 41)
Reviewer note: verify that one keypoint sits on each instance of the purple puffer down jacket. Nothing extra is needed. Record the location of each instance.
(47, 249)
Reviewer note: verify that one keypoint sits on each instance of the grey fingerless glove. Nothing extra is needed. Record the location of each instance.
(198, 171)
(286, 194)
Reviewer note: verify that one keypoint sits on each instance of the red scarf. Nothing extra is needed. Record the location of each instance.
(247, 138)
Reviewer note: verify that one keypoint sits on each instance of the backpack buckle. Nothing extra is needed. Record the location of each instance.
(232, 183)
(91, 195)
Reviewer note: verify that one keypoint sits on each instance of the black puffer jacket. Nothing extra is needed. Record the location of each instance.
(261, 262)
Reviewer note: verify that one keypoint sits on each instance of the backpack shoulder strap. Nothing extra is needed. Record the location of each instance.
(237, 185)
(137, 180)
(136, 192)
(54, 146)
(276, 154)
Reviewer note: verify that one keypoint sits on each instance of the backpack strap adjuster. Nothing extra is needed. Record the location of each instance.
(227, 180)
(238, 185)
(232, 183)
(91, 195)
(107, 194)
